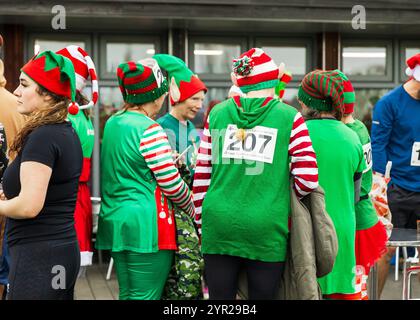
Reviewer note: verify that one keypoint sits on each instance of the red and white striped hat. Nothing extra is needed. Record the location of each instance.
(84, 67)
(255, 70)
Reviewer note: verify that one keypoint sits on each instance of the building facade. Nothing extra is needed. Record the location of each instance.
(369, 41)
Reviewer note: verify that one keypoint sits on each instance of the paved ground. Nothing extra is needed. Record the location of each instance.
(94, 286)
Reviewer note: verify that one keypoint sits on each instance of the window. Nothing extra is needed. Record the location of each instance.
(367, 60)
(295, 53)
(39, 42)
(365, 101)
(214, 58)
(54, 45)
(120, 52)
(364, 61)
(211, 59)
(293, 57)
(407, 50)
(116, 49)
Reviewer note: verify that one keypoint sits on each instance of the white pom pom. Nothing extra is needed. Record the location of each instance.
(409, 72)
(282, 68)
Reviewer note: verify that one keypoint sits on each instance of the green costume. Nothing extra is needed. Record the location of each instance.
(366, 216)
(339, 156)
(184, 281)
(249, 219)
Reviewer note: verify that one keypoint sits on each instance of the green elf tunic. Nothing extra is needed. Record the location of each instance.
(340, 156)
(83, 211)
(136, 161)
(371, 234)
(366, 216)
(246, 186)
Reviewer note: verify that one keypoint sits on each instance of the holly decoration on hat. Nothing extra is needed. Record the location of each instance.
(243, 66)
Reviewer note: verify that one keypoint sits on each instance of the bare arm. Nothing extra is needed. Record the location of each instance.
(34, 180)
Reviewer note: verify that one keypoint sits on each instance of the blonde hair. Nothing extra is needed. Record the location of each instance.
(55, 112)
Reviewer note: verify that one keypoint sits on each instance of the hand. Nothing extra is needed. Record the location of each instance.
(2, 196)
(178, 163)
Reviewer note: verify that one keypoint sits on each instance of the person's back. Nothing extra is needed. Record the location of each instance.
(127, 183)
(139, 183)
(119, 153)
(322, 95)
(338, 157)
(241, 184)
(263, 171)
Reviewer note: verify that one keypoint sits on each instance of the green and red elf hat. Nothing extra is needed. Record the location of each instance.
(323, 90)
(55, 73)
(183, 83)
(141, 81)
(285, 78)
(349, 94)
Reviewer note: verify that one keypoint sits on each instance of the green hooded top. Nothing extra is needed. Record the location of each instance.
(248, 219)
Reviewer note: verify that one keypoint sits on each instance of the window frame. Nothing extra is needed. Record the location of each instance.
(389, 59)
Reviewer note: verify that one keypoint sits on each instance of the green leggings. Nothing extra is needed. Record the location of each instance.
(142, 276)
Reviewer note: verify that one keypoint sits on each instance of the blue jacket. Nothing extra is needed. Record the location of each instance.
(395, 131)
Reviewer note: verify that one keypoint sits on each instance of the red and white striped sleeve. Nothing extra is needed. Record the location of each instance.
(202, 175)
(155, 148)
(303, 159)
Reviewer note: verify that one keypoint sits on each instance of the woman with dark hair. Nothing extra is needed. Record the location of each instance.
(41, 184)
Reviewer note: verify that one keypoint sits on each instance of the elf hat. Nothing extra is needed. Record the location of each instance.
(284, 79)
(255, 70)
(84, 67)
(183, 82)
(349, 94)
(413, 69)
(141, 82)
(55, 73)
(322, 90)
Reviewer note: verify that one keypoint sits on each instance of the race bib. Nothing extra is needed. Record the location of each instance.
(415, 154)
(257, 144)
(367, 154)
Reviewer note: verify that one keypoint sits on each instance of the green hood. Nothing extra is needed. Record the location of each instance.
(250, 113)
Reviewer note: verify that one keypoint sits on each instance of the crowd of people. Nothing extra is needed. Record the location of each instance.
(183, 212)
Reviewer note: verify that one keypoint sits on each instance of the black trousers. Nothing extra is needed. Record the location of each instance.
(44, 270)
(404, 206)
(222, 273)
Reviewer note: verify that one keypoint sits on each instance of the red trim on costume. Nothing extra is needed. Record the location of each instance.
(166, 223)
(86, 168)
